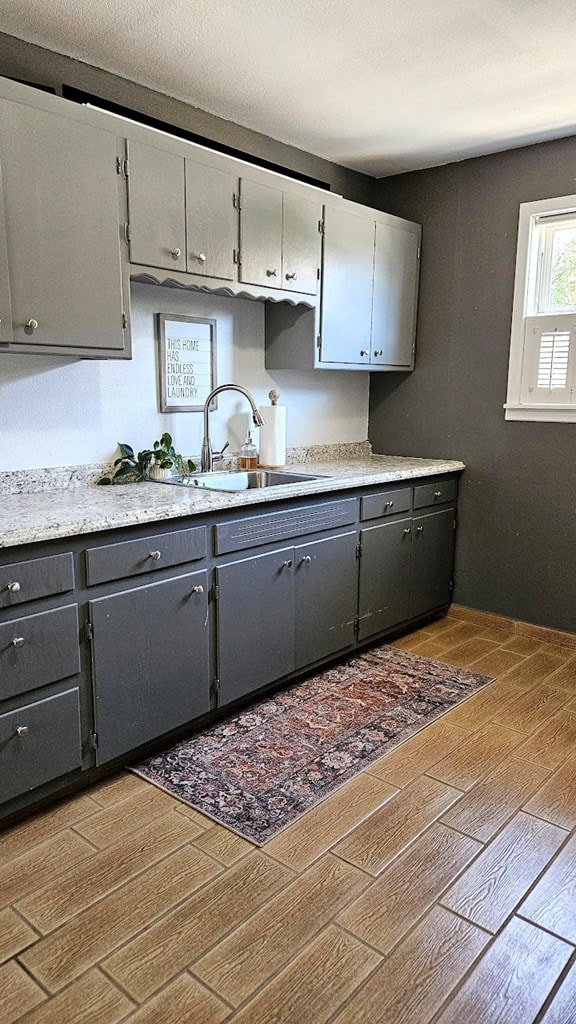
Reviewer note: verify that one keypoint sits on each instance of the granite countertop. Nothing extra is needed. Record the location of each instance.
(47, 515)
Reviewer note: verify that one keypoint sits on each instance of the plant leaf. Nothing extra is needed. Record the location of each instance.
(126, 450)
(103, 480)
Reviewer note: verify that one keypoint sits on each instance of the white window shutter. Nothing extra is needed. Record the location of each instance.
(549, 360)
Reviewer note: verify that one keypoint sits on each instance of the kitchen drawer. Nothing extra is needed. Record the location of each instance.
(385, 503)
(39, 742)
(278, 526)
(133, 557)
(38, 649)
(435, 494)
(40, 577)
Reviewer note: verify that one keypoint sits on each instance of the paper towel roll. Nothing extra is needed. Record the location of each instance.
(273, 436)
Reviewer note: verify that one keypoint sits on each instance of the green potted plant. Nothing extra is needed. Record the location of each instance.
(156, 463)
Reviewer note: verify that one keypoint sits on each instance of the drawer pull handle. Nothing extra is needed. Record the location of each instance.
(290, 277)
(389, 504)
(18, 642)
(437, 494)
(307, 558)
(287, 564)
(21, 730)
(378, 351)
(364, 352)
(419, 529)
(14, 587)
(408, 530)
(198, 590)
(175, 253)
(155, 555)
(272, 273)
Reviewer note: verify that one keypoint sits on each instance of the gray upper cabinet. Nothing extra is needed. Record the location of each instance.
(301, 237)
(348, 271)
(157, 207)
(61, 206)
(396, 264)
(279, 238)
(260, 234)
(211, 221)
(5, 302)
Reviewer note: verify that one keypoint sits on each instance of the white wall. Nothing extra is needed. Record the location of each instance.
(56, 412)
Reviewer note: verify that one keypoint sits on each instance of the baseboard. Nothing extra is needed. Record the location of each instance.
(552, 636)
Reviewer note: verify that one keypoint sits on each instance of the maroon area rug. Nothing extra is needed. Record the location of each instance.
(258, 770)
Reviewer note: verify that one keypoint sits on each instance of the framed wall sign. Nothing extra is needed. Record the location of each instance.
(187, 350)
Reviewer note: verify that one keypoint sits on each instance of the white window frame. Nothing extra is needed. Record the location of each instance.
(527, 306)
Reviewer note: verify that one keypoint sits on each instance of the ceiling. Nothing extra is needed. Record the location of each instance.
(380, 86)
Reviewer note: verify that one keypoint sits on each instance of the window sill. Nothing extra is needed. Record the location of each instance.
(541, 413)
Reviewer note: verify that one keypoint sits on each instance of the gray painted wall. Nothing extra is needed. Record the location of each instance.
(31, 63)
(516, 547)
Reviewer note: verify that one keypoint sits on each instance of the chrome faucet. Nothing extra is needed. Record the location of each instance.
(207, 456)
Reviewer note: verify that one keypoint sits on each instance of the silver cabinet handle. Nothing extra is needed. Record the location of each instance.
(378, 351)
(18, 642)
(307, 558)
(32, 325)
(200, 256)
(272, 273)
(419, 529)
(364, 352)
(14, 587)
(437, 494)
(198, 589)
(408, 530)
(155, 555)
(287, 564)
(21, 730)
(175, 253)
(389, 504)
(291, 277)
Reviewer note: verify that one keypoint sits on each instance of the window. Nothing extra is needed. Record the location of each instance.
(542, 371)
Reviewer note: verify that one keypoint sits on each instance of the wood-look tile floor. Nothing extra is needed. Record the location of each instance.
(438, 885)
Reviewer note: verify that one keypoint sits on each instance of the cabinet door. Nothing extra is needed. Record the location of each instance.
(150, 661)
(5, 302)
(255, 622)
(61, 204)
(326, 596)
(384, 576)
(396, 266)
(347, 288)
(211, 221)
(432, 557)
(156, 205)
(300, 244)
(261, 234)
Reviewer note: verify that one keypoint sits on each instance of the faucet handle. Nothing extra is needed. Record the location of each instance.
(218, 456)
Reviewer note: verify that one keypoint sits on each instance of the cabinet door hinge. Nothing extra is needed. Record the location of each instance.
(94, 740)
(317, 273)
(88, 631)
(237, 256)
(322, 226)
(454, 524)
(319, 341)
(122, 166)
(359, 550)
(215, 592)
(451, 586)
(127, 232)
(124, 321)
(357, 625)
(215, 689)
(236, 201)
(418, 253)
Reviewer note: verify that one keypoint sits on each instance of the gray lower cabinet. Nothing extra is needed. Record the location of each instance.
(61, 209)
(39, 742)
(150, 654)
(326, 596)
(284, 610)
(405, 570)
(255, 614)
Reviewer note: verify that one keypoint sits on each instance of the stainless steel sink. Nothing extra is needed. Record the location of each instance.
(240, 481)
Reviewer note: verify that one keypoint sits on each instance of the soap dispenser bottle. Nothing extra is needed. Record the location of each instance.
(248, 454)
